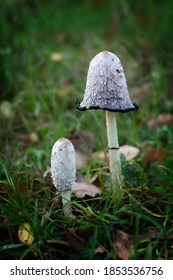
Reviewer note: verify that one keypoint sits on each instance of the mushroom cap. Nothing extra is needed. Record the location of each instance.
(106, 86)
(63, 165)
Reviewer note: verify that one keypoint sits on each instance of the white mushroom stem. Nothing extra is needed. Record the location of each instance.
(66, 202)
(114, 153)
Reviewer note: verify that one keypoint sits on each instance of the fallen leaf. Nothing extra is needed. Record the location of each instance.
(25, 234)
(75, 239)
(154, 155)
(160, 120)
(123, 245)
(101, 156)
(6, 109)
(33, 137)
(95, 180)
(130, 152)
(48, 177)
(5, 189)
(25, 137)
(99, 250)
(56, 56)
(154, 234)
(165, 118)
(80, 189)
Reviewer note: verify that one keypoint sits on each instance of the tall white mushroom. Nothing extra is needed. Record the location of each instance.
(63, 171)
(106, 89)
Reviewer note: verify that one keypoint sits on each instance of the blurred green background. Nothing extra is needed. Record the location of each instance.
(32, 29)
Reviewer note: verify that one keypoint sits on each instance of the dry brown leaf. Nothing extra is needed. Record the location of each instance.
(19, 187)
(99, 250)
(48, 179)
(130, 152)
(154, 155)
(75, 239)
(165, 118)
(82, 188)
(123, 245)
(160, 120)
(95, 180)
(154, 234)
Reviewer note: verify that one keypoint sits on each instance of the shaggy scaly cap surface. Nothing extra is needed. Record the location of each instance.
(63, 165)
(106, 86)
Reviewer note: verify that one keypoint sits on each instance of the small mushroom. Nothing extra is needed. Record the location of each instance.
(63, 171)
(106, 89)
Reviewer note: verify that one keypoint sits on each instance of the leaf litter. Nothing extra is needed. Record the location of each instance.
(154, 155)
(162, 119)
(80, 189)
(76, 239)
(123, 245)
(128, 151)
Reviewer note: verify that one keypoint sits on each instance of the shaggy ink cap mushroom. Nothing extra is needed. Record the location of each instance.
(106, 86)
(106, 89)
(63, 165)
(63, 171)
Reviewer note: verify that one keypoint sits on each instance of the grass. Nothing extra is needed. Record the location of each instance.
(38, 96)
